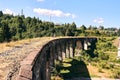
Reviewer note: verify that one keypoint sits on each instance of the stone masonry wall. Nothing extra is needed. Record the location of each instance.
(38, 64)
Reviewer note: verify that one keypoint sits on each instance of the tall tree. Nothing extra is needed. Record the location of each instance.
(1, 13)
(5, 30)
(83, 27)
(101, 27)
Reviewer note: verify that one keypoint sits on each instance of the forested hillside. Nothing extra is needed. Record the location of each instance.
(21, 27)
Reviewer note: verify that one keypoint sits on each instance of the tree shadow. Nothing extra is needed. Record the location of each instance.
(75, 69)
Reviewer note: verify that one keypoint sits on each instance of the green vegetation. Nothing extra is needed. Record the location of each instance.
(105, 58)
(104, 63)
(20, 27)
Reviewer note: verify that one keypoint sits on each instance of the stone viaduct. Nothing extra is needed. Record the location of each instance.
(38, 64)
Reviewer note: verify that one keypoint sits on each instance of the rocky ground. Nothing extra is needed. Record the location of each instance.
(10, 58)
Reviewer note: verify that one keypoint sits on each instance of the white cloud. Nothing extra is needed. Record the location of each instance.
(8, 11)
(40, 0)
(99, 20)
(56, 13)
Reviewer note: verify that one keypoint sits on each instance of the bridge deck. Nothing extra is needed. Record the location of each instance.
(10, 59)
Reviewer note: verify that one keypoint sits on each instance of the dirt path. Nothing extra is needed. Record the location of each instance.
(10, 59)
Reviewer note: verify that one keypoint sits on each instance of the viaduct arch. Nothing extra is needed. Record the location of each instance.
(38, 64)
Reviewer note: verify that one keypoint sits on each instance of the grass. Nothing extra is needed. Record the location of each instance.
(8, 45)
(107, 67)
(66, 64)
(63, 71)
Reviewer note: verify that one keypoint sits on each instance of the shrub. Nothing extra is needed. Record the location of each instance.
(103, 56)
(116, 73)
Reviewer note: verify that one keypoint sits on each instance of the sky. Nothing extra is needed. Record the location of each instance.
(82, 12)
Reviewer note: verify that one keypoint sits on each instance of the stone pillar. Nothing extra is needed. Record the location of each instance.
(36, 72)
(82, 42)
(59, 51)
(42, 73)
(47, 63)
(63, 50)
(79, 46)
(67, 50)
(48, 72)
(85, 45)
(38, 69)
(65, 47)
(56, 52)
(73, 47)
(52, 56)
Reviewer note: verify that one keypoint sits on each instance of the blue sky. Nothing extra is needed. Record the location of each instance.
(87, 12)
